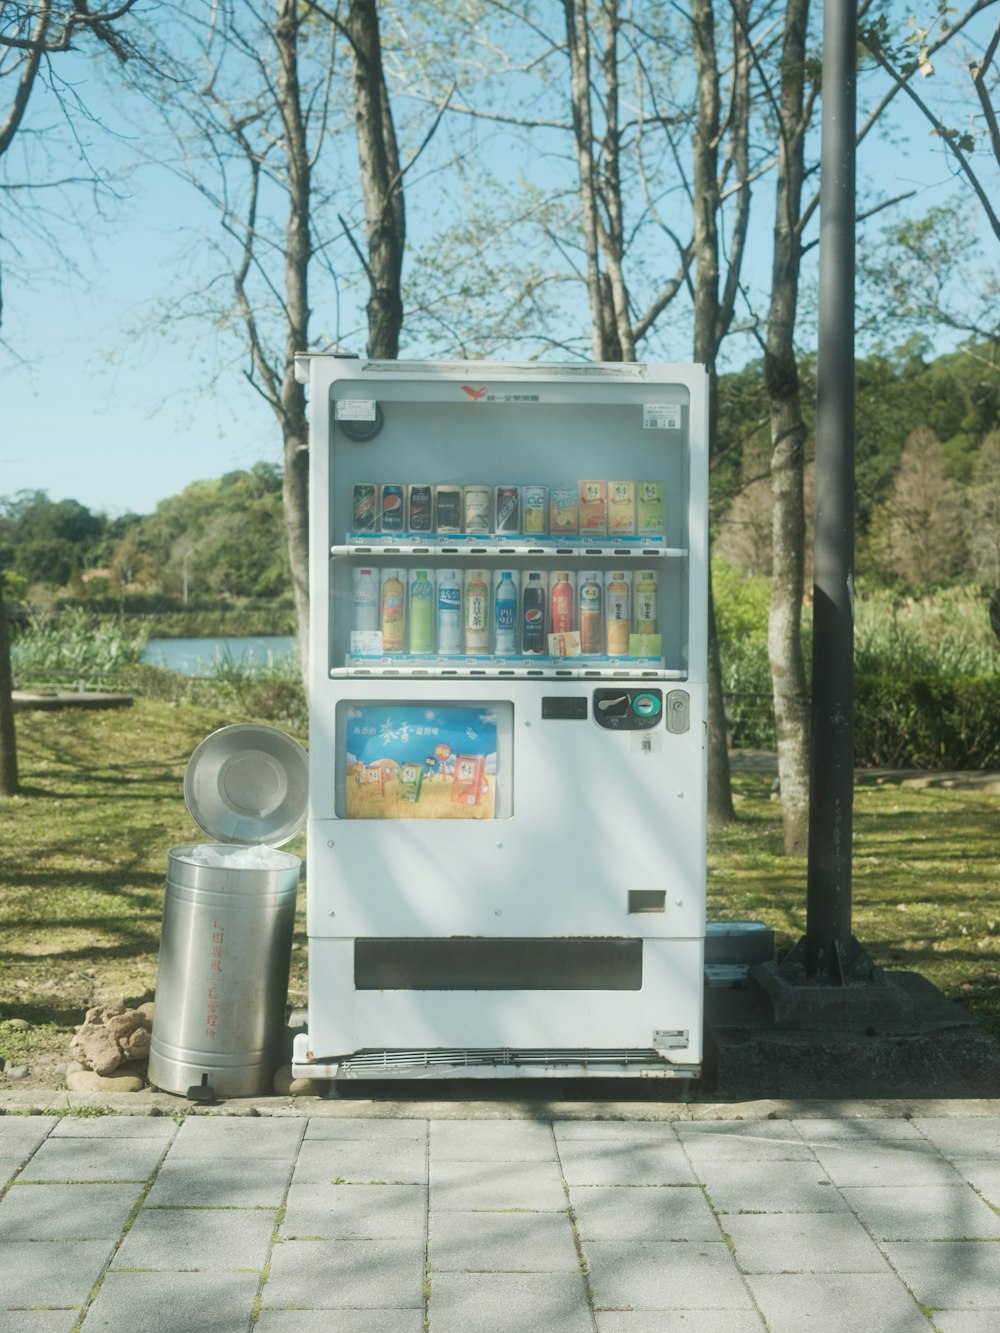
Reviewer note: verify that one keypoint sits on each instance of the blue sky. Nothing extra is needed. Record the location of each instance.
(93, 410)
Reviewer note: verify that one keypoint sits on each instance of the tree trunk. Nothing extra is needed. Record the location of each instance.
(788, 679)
(9, 785)
(709, 327)
(381, 181)
(298, 253)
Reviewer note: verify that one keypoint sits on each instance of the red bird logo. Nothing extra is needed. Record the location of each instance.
(474, 394)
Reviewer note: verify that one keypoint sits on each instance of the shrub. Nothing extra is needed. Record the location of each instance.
(927, 722)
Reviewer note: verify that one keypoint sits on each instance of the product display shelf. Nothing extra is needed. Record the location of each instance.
(494, 548)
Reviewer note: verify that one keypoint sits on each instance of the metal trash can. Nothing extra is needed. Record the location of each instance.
(219, 1025)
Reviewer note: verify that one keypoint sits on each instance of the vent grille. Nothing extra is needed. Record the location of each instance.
(587, 1057)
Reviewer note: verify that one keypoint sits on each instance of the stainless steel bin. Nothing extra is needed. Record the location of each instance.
(222, 980)
(219, 1025)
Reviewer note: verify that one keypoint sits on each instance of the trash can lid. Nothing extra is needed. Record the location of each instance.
(248, 783)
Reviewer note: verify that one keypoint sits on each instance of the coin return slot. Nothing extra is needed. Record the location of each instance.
(646, 900)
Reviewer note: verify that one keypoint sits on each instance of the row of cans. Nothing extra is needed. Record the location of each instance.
(475, 613)
(590, 509)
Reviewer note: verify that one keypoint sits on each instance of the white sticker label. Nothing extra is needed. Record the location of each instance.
(661, 416)
(355, 409)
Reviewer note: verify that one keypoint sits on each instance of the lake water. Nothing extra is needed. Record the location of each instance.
(202, 657)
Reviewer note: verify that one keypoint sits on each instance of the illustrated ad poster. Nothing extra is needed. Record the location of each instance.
(415, 762)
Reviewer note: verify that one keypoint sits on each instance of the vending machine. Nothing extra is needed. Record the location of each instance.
(506, 837)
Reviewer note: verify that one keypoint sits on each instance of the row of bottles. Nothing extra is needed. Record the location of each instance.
(590, 509)
(537, 614)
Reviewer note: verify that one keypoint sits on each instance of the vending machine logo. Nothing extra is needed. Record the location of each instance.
(474, 394)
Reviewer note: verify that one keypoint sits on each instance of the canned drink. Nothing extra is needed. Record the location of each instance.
(476, 506)
(507, 514)
(535, 509)
(421, 509)
(621, 508)
(363, 513)
(448, 506)
(593, 508)
(392, 508)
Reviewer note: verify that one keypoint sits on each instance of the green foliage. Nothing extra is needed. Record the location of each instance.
(74, 647)
(928, 722)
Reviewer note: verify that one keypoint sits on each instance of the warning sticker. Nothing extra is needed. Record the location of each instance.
(661, 416)
(355, 409)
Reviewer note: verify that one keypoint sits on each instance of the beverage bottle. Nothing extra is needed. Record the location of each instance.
(618, 619)
(645, 602)
(366, 611)
(561, 614)
(590, 614)
(421, 618)
(505, 613)
(449, 612)
(393, 612)
(477, 613)
(533, 616)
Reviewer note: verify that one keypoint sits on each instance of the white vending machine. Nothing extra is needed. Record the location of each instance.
(508, 690)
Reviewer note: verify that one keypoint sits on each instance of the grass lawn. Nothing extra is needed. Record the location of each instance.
(84, 864)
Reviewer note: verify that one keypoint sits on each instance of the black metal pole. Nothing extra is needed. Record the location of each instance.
(828, 906)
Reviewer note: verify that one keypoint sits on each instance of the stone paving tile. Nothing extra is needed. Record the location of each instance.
(20, 1133)
(950, 1275)
(66, 1212)
(923, 1212)
(647, 1275)
(358, 1212)
(751, 1141)
(197, 1239)
(983, 1174)
(836, 1303)
(502, 1243)
(360, 1128)
(196, 1182)
(624, 1162)
(158, 1127)
(173, 1303)
(321, 1161)
(39, 1321)
(248, 1138)
(867, 1129)
(970, 1136)
(10, 1164)
(803, 1242)
(508, 1303)
(491, 1141)
(344, 1321)
(668, 1212)
(651, 1131)
(351, 1274)
(54, 1273)
(465, 1186)
(900, 1163)
(679, 1321)
(785, 1187)
(94, 1159)
(965, 1321)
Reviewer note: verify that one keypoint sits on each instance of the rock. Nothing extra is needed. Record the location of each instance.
(285, 1085)
(17, 1071)
(110, 1036)
(17, 1024)
(128, 1078)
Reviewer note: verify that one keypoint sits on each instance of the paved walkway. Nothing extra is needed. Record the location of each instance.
(534, 1217)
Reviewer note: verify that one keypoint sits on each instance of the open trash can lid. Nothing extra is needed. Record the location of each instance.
(248, 783)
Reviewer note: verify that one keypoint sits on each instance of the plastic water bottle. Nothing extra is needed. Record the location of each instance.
(366, 600)
(421, 619)
(449, 612)
(505, 604)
